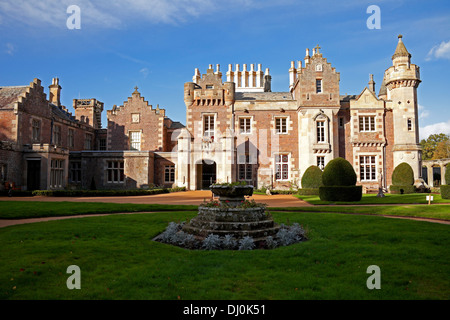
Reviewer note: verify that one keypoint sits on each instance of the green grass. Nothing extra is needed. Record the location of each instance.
(37, 209)
(415, 198)
(416, 211)
(118, 260)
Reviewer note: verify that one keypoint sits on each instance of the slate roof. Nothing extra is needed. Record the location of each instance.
(10, 95)
(263, 96)
(176, 125)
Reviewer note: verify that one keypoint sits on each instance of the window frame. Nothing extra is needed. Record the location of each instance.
(115, 171)
(36, 130)
(364, 165)
(371, 125)
(247, 123)
(169, 171)
(206, 125)
(282, 167)
(56, 173)
(319, 85)
(56, 135)
(278, 128)
(133, 140)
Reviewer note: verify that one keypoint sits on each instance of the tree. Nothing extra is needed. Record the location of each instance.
(429, 146)
(442, 150)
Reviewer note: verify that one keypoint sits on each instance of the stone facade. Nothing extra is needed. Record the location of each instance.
(236, 130)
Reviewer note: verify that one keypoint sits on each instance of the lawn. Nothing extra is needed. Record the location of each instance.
(118, 260)
(414, 198)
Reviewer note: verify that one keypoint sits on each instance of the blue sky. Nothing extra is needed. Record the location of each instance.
(156, 45)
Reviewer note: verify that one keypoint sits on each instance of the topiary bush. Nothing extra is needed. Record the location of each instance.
(339, 172)
(402, 179)
(339, 182)
(312, 178)
(445, 188)
(403, 175)
(311, 181)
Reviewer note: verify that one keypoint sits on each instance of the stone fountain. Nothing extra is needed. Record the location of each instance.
(231, 216)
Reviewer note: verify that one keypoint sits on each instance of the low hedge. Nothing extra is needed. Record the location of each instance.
(308, 191)
(104, 193)
(340, 193)
(402, 189)
(445, 191)
(17, 193)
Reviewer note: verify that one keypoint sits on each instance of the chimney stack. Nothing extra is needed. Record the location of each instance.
(55, 92)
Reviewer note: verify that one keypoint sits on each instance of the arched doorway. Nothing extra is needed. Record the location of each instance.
(206, 174)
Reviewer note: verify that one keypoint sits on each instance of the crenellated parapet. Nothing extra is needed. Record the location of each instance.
(208, 90)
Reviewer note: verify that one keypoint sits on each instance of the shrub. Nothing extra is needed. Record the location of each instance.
(340, 193)
(308, 191)
(445, 191)
(229, 242)
(312, 178)
(339, 179)
(339, 172)
(271, 243)
(402, 189)
(403, 175)
(246, 243)
(447, 174)
(212, 242)
(104, 193)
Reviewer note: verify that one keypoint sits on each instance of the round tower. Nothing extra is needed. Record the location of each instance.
(401, 81)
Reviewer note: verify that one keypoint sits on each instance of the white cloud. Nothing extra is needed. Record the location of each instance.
(423, 112)
(10, 48)
(440, 127)
(115, 13)
(144, 72)
(441, 51)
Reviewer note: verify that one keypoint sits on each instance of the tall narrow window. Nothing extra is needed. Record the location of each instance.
(281, 167)
(208, 126)
(115, 172)
(320, 131)
(57, 135)
(56, 173)
(87, 141)
(135, 140)
(410, 125)
(36, 129)
(321, 162)
(169, 174)
(245, 125)
(368, 170)
(245, 168)
(281, 125)
(71, 138)
(2, 172)
(367, 123)
(102, 144)
(75, 171)
(318, 86)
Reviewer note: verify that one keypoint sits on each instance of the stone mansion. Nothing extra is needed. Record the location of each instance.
(236, 130)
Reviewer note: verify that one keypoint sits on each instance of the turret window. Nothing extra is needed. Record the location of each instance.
(410, 125)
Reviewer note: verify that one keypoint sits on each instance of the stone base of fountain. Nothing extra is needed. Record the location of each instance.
(229, 218)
